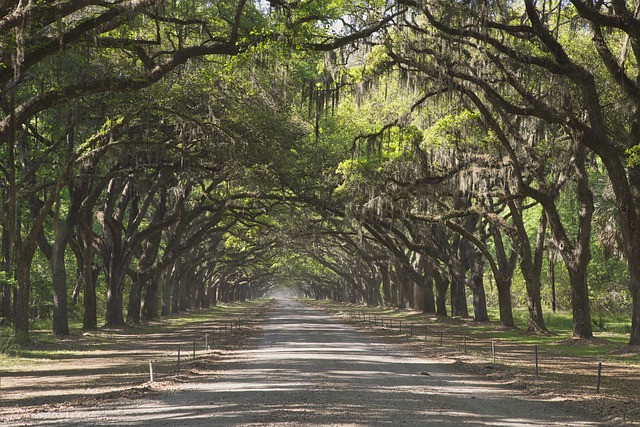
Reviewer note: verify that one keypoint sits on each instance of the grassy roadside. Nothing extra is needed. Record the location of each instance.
(46, 347)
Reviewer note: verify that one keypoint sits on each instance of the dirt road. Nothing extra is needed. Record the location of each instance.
(307, 368)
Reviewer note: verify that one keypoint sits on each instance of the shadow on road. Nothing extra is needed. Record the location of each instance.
(307, 368)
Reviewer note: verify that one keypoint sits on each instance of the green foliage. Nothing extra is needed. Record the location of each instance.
(8, 345)
(299, 151)
(7, 280)
(634, 156)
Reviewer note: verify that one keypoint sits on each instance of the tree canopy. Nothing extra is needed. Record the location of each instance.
(158, 156)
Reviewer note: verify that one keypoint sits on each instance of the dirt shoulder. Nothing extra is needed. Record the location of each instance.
(560, 376)
(306, 367)
(112, 363)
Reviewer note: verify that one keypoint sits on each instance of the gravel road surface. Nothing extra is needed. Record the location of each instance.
(308, 368)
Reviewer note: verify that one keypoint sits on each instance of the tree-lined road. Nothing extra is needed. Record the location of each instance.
(307, 368)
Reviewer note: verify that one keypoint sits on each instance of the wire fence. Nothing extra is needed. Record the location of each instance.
(177, 358)
(150, 357)
(586, 372)
(182, 356)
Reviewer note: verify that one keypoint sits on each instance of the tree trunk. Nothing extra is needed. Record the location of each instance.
(504, 302)
(394, 289)
(175, 287)
(196, 293)
(114, 277)
(142, 277)
(633, 266)
(576, 255)
(383, 271)
(418, 297)
(400, 288)
(184, 283)
(408, 290)
(534, 305)
(580, 302)
(222, 291)
(625, 182)
(634, 269)
(429, 304)
(5, 302)
(531, 264)
(135, 299)
(114, 314)
(149, 305)
(457, 294)
(506, 267)
(552, 280)
(479, 299)
(457, 271)
(22, 296)
(62, 234)
(441, 294)
(341, 294)
(204, 296)
(59, 283)
(167, 290)
(24, 257)
(213, 295)
(9, 230)
(89, 274)
(5, 289)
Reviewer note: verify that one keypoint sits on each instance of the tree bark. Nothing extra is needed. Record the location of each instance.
(386, 285)
(473, 264)
(504, 303)
(213, 294)
(25, 252)
(135, 299)
(418, 265)
(22, 296)
(114, 315)
(59, 282)
(400, 287)
(89, 274)
(418, 297)
(149, 305)
(441, 293)
(531, 265)
(141, 278)
(175, 286)
(167, 290)
(62, 234)
(580, 306)
(552, 281)
(5, 289)
(576, 254)
(394, 289)
(457, 293)
(184, 283)
(506, 266)
(634, 338)
(476, 283)
(429, 298)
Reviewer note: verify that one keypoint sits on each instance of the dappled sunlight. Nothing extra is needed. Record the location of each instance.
(308, 369)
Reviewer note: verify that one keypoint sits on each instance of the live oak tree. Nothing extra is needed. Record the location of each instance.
(393, 153)
(540, 45)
